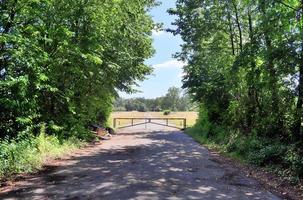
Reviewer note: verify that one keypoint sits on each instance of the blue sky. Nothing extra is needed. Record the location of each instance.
(167, 70)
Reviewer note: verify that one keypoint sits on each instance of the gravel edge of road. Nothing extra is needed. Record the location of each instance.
(269, 180)
(49, 165)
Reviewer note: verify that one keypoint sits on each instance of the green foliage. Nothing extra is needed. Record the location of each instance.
(173, 100)
(28, 154)
(166, 112)
(284, 159)
(245, 69)
(269, 154)
(203, 123)
(61, 65)
(62, 62)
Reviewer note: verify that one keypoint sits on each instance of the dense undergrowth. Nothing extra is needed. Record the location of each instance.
(280, 157)
(29, 153)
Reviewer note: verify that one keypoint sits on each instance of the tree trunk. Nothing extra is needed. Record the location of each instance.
(239, 26)
(272, 85)
(252, 92)
(231, 33)
(298, 112)
(276, 126)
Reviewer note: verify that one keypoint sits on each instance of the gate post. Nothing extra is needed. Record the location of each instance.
(115, 122)
(184, 123)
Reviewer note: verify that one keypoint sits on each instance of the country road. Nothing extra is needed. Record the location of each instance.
(143, 162)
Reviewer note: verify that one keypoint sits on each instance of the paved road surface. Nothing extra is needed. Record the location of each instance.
(141, 164)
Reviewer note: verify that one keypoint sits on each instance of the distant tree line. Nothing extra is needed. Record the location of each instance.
(174, 100)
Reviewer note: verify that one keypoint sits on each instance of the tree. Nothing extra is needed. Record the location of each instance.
(63, 61)
(244, 69)
(243, 57)
(173, 100)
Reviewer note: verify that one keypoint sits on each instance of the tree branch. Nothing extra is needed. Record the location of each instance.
(288, 6)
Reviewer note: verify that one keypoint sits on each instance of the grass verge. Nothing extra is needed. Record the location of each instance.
(265, 163)
(282, 159)
(29, 154)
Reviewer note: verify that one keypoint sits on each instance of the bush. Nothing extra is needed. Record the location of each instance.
(29, 154)
(294, 160)
(166, 112)
(279, 155)
(269, 154)
(203, 122)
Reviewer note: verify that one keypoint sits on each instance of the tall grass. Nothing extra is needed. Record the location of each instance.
(30, 153)
(279, 157)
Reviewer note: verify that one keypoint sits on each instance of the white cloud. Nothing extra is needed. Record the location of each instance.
(157, 33)
(181, 74)
(170, 64)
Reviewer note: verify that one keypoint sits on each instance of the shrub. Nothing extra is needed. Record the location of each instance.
(294, 161)
(268, 154)
(203, 122)
(29, 154)
(166, 112)
(255, 148)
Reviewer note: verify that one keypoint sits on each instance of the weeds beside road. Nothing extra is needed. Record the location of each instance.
(30, 153)
(267, 161)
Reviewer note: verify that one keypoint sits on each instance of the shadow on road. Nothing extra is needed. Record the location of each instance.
(145, 165)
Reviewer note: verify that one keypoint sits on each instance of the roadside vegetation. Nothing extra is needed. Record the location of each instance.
(61, 65)
(245, 70)
(272, 154)
(29, 153)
